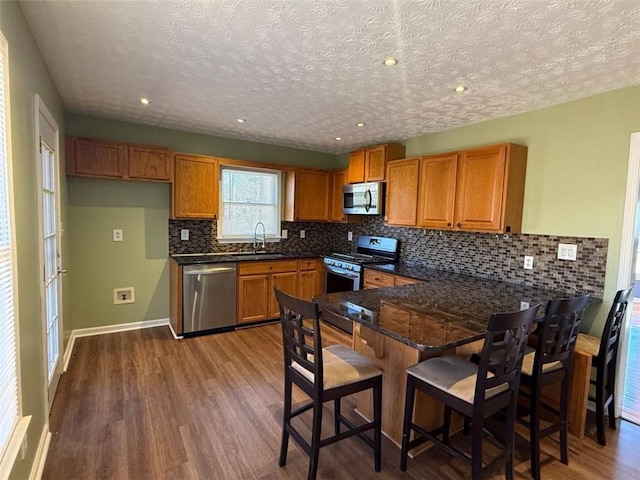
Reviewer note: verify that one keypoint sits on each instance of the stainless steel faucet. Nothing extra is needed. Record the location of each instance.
(255, 237)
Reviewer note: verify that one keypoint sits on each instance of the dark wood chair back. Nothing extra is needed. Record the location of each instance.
(301, 337)
(558, 332)
(612, 327)
(503, 350)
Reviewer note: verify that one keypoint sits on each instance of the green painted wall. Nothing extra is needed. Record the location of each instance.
(188, 142)
(141, 210)
(576, 167)
(28, 75)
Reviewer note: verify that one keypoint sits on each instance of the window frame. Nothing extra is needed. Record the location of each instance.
(9, 451)
(279, 195)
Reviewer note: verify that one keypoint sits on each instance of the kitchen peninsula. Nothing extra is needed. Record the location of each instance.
(400, 326)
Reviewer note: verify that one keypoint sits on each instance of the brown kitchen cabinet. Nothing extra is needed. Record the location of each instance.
(369, 164)
(490, 188)
(195, 187)
(377, 279)
(307, 195)
(475, 190)
(437, 196)
(256, 300)
(310, 280)
(93, 157)
(402, 192)
(150, 163)
(338, 180)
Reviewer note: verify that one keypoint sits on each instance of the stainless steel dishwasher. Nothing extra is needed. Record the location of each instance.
(209, 297)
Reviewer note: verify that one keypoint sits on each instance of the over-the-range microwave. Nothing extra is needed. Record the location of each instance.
(363, 198)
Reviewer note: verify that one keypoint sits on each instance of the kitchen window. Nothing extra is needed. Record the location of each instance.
(12, 426)
(249, 196)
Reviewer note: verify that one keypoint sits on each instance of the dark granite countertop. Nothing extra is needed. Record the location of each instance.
(444, 311)
(192, 259)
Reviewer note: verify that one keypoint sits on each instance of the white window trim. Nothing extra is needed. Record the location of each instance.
(20, 430)
(249, 239)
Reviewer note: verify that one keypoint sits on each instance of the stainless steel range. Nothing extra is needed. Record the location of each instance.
(344, 271)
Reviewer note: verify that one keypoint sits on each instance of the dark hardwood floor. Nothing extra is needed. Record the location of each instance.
(141, 405)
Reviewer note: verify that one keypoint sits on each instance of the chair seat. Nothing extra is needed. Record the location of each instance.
(588, 344)
(527, 363)
(454, 375)
(342, 366)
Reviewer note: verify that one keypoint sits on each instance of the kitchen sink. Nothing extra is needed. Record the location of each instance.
(260, 255)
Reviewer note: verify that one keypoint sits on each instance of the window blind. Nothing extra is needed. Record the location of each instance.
(9, 408)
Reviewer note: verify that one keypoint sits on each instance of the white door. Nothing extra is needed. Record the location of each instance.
(50, 246)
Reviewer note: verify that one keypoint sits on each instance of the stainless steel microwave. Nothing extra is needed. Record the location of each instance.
(363, 198)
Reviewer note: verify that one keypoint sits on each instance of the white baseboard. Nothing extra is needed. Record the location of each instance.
(121, 327)
(41, 454)
(173, 332)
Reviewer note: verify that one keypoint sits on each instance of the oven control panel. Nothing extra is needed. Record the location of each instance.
(335, 263)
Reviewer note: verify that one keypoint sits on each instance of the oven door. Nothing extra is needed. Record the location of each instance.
(340, 280)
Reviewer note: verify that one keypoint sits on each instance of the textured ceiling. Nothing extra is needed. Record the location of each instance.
(303, 72)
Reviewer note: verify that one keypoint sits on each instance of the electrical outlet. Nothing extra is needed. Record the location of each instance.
(117, 234)
(284, 233)
(350, 236)
(524, 305)
(303, 234)
(528, 262)
(123, 295)
(567, 251)
(184, 234)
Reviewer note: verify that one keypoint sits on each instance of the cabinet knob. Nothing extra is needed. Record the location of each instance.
(448, 224)
(459, 224)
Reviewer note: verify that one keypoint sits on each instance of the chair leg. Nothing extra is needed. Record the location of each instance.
(534, 432)
(316, 431)
(286, 421)
(509, 440)
(600, 400)
(611, 392)
(377, 427)
(466, 426)
(336, 409)
(406, 428)
(476, 446)
(447, 424)
(564, 424)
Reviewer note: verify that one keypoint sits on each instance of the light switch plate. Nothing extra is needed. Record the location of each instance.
(184, 234)
(350, 236)
(524, 305)
(567, 251)
(303, 234)
(284, 233)
(117, 235)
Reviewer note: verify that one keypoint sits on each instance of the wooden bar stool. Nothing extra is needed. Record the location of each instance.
(550, 363)
(476, 391)
(604, 358)
(323, 374)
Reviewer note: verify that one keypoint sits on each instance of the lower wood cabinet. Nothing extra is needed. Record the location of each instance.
(256, 299)
(377, 279)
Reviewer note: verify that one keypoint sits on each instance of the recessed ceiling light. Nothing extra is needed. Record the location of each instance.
(460, 89)
(359, 124)
(390, 61)
(338, 138)
(240, 120)
(144, 101)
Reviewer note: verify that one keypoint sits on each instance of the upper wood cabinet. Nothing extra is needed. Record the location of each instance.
(93, 157)
(477, 190)
(150, 163)
(307, 195)
(369, 164)
(338, 180)
(490, 188)
(195, 187)
(402, 191)
(437, 197)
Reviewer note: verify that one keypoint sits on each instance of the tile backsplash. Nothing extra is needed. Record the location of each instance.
(482, 255)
